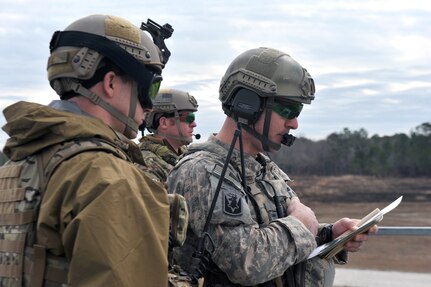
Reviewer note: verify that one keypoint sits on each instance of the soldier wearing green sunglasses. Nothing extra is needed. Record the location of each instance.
(171, 123)
(76, 156)
(259, 233)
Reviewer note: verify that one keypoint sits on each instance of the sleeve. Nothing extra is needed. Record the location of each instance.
(319, 272)
(110, 221)
(247, 253)
(324, 236)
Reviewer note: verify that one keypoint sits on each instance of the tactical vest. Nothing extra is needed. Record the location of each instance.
(159, 158)
(268, 204)
(22, 187)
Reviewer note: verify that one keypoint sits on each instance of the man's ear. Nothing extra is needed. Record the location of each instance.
(163, 122)
(109, 83)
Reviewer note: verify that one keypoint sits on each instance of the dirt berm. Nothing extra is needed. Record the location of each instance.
(354, 196)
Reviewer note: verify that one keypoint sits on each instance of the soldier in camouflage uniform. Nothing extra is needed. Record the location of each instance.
(171, 122)
(101, 221)
(261, 234)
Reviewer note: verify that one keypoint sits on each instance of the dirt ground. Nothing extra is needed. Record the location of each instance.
(354, 196)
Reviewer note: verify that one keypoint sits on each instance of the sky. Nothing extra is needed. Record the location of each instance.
(370, 60)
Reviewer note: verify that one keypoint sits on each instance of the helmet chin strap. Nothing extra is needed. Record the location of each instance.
(128, 121)
(268, 113)
(266, 143)
(128, 129)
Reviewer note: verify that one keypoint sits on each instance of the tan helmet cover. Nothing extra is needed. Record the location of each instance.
(81, 62)
(170, 101)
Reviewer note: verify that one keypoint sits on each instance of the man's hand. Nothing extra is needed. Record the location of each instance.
(304, 214)
(357, 242)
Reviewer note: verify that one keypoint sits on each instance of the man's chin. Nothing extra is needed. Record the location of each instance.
(273, 149)
(278, 140)
(275, 142)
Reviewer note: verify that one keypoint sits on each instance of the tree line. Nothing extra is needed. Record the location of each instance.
(354, 152)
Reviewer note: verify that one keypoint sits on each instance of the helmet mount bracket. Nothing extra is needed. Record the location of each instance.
(159, 34)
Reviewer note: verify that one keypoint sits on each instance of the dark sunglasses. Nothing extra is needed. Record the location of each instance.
(288, 111)
(187, 117)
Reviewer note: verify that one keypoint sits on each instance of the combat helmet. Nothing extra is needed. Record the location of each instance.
(91, 46)
(258, 78)
(170, 103)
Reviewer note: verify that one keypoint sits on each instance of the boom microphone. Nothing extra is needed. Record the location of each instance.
(197, 136)
(288, 139)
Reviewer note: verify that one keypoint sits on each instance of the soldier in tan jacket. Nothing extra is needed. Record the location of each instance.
(74, 208)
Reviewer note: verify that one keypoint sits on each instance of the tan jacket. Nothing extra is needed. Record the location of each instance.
(101, 212)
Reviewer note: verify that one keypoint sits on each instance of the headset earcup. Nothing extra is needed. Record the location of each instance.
(246, 106)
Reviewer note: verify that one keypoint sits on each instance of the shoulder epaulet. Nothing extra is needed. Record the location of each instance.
(51, 158)
(230, 176)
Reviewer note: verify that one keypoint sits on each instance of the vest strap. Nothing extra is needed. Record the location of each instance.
(17, 218)
(11, 195)
(48, 273)
(10, 171)
(12, 246)
(13, 270)
(38, 270)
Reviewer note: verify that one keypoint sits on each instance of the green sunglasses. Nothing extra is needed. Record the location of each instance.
(147, 93)
(187, 117)
(288, 111)
(154, 88)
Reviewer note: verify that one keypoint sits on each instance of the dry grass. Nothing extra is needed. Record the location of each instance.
(354, 196)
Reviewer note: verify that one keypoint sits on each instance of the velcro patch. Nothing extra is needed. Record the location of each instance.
(58, 58)
(232, 203)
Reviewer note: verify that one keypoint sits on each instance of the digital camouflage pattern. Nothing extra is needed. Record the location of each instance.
(97, 211)
(158, 156)
(250, 247)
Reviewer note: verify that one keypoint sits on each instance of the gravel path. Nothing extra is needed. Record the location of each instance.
(371, 278)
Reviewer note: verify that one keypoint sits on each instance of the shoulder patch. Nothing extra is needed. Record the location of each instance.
(232, 203)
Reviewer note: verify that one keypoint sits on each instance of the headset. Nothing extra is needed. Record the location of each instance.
(246, 106)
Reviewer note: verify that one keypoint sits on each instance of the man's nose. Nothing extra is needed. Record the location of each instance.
(292, 124)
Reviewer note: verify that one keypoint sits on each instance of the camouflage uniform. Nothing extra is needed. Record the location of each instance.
(98, 209)
(253, 245)
(159, 157)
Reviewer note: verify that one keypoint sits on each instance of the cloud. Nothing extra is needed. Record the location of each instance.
(370, 59)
